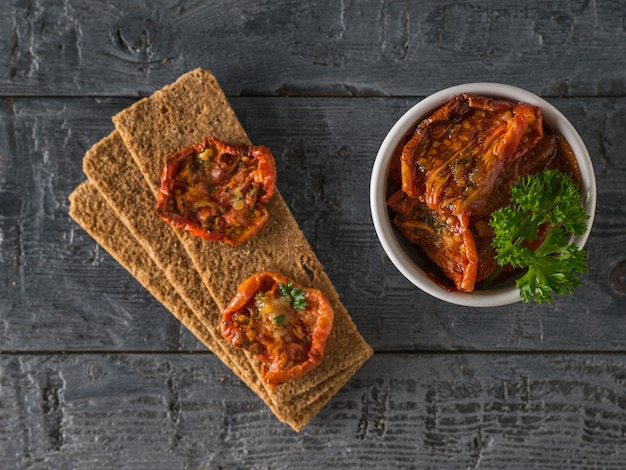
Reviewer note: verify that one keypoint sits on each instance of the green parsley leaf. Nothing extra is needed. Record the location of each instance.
(296, 296)
(551, 198)
(280, 320)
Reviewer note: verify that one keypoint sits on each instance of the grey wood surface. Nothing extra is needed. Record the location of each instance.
(168, 410)
(94, 373)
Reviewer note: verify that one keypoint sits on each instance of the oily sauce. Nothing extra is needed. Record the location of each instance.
(456, 168)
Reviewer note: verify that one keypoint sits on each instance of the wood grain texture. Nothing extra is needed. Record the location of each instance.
(451, 411)
(348, 48)
(59, 281)
(94, 373)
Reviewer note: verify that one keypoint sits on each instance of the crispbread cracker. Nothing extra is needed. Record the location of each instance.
(133, 204)
(183, 114)
(110, 168)
(90, 210)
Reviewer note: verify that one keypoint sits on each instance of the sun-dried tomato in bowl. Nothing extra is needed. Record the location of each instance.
(456, 170)
(285, 324)
(218, 191)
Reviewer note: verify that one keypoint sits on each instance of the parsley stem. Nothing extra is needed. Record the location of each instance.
(487, 282)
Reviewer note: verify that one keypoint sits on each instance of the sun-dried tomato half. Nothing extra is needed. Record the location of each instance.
(455, 171)
(456, 158)
(447, 241)
(217, 191)
(285, 324)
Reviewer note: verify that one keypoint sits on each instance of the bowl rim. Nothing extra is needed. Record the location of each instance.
(388, 236)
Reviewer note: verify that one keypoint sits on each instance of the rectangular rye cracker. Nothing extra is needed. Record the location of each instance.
(133, 204)
(90, 210)
(92, 213)
(183, 114)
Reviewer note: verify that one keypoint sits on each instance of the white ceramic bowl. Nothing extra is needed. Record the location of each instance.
(400, 251)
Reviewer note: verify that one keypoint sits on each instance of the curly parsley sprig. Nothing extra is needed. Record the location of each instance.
(550, 197)
(296, 296)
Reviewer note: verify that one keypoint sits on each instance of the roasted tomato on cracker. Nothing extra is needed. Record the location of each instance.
(218, 191)
(285, 324)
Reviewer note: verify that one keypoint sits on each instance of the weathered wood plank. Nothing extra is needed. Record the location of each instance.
(376, 47)
(94, 373)
(326, 181)
(62, 286)
(44, 257)
(420, 411)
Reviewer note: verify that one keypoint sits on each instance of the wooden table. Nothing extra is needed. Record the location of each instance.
(94, 373)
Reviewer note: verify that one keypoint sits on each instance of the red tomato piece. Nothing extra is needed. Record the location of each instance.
(455, 171)
(285, 324)
(456, 158)
(218, 191)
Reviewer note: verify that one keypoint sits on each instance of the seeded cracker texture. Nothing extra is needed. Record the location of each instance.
(132, 202)
(90, 210)
(183, 114)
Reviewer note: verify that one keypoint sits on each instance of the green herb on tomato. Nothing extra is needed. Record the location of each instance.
(295, 295)
(549, 199)
(280, 320)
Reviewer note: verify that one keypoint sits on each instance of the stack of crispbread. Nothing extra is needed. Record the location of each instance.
(195, 279)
